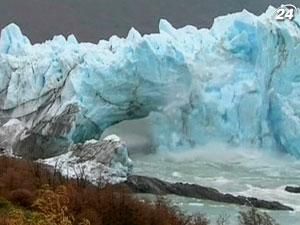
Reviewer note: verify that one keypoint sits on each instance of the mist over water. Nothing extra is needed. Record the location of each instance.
(261, 173)
(136, 134)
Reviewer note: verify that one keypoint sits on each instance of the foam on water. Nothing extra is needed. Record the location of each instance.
(240, 171)
(270, 194)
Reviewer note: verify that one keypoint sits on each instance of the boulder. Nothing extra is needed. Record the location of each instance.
(291, 189)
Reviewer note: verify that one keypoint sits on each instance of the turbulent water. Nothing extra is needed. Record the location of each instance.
(247, 172)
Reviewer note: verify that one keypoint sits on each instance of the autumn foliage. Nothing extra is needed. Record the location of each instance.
(36, 195)
(31, 194)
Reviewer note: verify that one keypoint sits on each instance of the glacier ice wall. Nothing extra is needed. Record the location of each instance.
(238, 82)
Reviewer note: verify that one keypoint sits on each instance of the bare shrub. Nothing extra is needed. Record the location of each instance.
(22, 197)
(223, 220)
(254, 217)
(53, 206)
(199, 219)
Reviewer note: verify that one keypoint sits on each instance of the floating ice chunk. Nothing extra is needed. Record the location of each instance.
(113, 138)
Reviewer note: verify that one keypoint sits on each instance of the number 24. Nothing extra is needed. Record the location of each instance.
(283, 14)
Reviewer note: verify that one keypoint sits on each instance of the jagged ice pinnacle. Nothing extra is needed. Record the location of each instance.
(238, 83)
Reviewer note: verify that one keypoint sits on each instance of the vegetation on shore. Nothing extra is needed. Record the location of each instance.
(31, 194)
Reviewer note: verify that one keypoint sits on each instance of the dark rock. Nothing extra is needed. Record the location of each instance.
(35, 146)
(141, 184)
(293, 189)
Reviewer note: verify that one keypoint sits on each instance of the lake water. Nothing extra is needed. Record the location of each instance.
(248, 172)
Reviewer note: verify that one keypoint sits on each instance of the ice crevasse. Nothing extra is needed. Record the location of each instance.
(238, 83)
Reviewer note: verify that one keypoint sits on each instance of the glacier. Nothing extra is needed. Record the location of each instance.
(99, 162)
(237, 83)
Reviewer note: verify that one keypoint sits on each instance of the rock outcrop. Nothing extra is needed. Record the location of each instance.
(141, 184)
(291, 189)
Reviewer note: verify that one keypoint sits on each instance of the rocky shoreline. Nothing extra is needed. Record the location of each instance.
(107, 161)
(150, 185)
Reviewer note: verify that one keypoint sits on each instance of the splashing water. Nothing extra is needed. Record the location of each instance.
(239, 171)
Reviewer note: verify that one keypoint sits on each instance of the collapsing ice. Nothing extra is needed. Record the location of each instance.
(237, 83)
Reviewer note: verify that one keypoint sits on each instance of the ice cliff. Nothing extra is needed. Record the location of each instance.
(238, 83)
(99, 162)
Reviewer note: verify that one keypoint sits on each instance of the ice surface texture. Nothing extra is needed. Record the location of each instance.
(100, 162)
(237, 83)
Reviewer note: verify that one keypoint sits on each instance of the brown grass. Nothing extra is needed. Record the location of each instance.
(61, 202)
